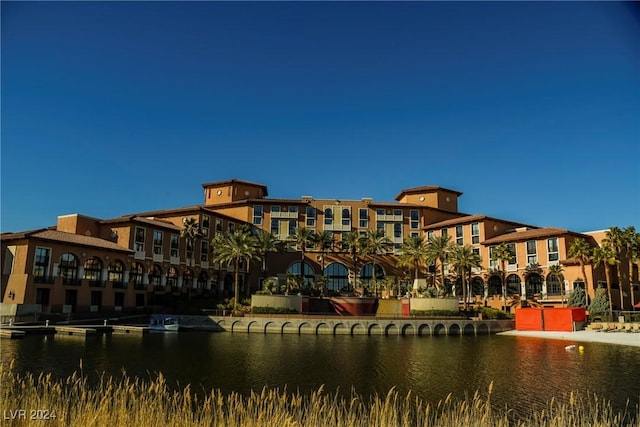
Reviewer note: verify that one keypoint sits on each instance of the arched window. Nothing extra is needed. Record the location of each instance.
(135, 274)
(337, 275)
(68, 269)
(296, 270)
(514, 285)
(328, 216)
(477, 286)
(93, 271)
(115, 273)
(172, 278)
(154, 276)
(495, 285)
(533, 284)
(367, 270)
(554, 285)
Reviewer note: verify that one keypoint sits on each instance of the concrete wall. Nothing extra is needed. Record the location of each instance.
(450, 304)
(277, 301)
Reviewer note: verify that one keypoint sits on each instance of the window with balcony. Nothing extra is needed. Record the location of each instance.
(346, 217)
(93, 271)
(68, 269)
(136, 275)
(115, 272)
(328, 216)
(172, 278)
(155, 276)
(514, 261)
(292, 226)
(157, 242)
(397, 230)
(138, 243)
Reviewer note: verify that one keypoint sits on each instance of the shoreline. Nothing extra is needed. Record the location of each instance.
(618, 338)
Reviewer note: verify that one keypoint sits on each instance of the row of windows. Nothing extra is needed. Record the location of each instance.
(174, 242)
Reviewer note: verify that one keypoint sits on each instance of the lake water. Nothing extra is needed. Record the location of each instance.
(525, 371)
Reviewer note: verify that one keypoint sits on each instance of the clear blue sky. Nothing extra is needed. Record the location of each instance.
(532, 110)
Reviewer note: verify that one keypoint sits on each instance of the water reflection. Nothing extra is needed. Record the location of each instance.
(525, 371)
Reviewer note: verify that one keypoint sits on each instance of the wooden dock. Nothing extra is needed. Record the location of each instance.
(129, 329)
(11, 333)
(69, 330)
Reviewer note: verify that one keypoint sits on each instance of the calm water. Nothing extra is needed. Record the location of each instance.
(525, 371)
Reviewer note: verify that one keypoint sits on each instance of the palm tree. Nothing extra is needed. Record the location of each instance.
(324, 241)
(234, 247)
(352, 242)
(413, 254)
(267, 242)
(556, 270)
(581, 251)
(616, 238)
(463, 259)
(190, 232)
(376, 243)
(502, 253)
(438, 250)
(605, 255)
(303, 238)
(633, 254)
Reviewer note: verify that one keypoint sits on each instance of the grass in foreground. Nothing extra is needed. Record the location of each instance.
(126, 402)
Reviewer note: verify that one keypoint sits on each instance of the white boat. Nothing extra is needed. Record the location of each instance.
(164, 323)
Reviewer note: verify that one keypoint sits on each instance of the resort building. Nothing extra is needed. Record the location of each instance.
(85, 264)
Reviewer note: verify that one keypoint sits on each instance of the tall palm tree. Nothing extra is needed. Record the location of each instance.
(413, 254)
(302, 239)
(556, 270)
(352, 243)
(633, 254)
(463, 259)
(376, 243)
(438, 250)
(190, 232)
(324, 241)
(581, 251)
(503, 255)
(605, 255)
(234, 247)
(616, 238)
(267, 242)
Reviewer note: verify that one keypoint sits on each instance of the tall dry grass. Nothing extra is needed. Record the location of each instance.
(129, 401)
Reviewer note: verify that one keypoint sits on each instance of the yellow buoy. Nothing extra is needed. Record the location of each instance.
(581, 348)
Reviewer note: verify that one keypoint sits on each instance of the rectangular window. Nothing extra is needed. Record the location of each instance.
(257, 215)
(444, 232)
(552, 249)
(292, 226)
(293, 209)
(397, 212)
(275, 226)
(397, 230)
(380, 226)
(275, 209)
(175, 245)
(204, 251)
(232, 227)
(363, 218)
(512, 250)
(140, 234)
(311, 216)
(218, 225)
(415, 219)
(415, 234)
(459, 237)
(475, 233)
(157, 242)
(429, 234)
(41, 262)
(205, 225)
(532, 257)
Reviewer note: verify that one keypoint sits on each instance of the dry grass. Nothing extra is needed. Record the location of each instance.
(135, 402)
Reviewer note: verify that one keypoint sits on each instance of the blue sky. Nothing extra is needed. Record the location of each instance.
(531, 109)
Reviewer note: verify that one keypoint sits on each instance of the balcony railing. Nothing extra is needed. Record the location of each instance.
(71, 281)
(43, 279)
(118, 284)
(139, 286)
(96, 283)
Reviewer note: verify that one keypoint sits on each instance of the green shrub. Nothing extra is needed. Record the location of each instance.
(273, 310)
(494, 314)
(600, 302)
(435, 313)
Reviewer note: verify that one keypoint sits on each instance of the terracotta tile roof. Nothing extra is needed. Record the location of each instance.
(188, 210)
(529, 234)
(78, 239)
(425, 189)
(472, 218)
